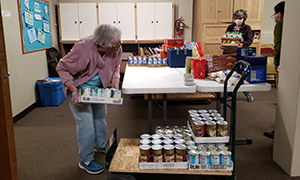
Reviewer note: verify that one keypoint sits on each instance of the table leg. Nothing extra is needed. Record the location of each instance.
(149, 114)
(165, 109)
(218, 101)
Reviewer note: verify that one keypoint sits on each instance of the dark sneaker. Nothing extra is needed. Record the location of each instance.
(92, 168)
(269, 134)
(250, 98)
(101, 150)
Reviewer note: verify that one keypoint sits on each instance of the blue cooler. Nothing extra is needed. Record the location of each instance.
(51, 93)
(176, 57)
(258, 71)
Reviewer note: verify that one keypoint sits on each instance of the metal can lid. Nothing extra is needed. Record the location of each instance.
(222, 122)
(192, 147)
(179, 141)
(213, 111)
(218, 118)
(195, 115)
(144, 147)
(210, 123)
(145, 136)
(156, 141)
(168, 147)
(226, 153)
(192, 111)
(145, 141)
(183, 127)
(202, 111)
(216, 114)
(204, 153)
(167, 136)
(180, 146)
(196, 118)
(156, 136)
(215, 153)
(178, 136)
(168, 131)
(188, 143)
(206, 118)
(168, 141)
(205, 115)
(199, 123)
(156, 147)
(193, 152)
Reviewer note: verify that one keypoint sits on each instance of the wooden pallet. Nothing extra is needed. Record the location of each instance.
(183, 96)
(126, 160)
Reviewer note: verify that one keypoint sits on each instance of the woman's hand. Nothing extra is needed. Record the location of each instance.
(75, 98)
(115, 85)
(221, 47)
(240, 44)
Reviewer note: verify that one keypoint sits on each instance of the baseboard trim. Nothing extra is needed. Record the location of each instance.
(25, 112)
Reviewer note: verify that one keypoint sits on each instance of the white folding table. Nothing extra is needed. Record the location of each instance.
(151, 80)
(206, 85)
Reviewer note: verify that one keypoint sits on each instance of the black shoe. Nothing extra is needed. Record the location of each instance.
(269, 134)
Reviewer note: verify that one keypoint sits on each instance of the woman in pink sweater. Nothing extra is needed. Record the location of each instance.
(93, 62)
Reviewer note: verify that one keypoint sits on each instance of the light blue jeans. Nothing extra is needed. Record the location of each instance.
(90, 127)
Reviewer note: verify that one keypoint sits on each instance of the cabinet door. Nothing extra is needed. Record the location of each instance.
(163, 13)
(126, 20)
(225, 10)
(87, 18)
(253, 8)
(107, 13)
(69, 21)
(145, 21)
(209, 11)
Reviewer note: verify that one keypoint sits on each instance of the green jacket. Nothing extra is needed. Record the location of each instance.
(277, 41)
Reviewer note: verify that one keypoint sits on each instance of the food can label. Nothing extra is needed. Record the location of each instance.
(204, 159)
(226, 159)
(215, 159)
(157, 158)
(94, 92)
(85, 91)
(169, 158)
(194, 159)
(117, 94)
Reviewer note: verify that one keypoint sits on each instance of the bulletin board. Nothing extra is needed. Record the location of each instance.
(34, 16)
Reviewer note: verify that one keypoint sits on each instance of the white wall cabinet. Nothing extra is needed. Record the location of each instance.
(120, 14)
(77, 20)
(155, 21)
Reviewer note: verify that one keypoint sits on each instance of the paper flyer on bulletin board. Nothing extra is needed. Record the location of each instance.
(35, 25)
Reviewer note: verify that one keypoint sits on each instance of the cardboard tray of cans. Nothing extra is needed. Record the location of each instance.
(157, 65)
(137, 65)
(225, 167)
(208, 139)
(163, 165)
(100, 100)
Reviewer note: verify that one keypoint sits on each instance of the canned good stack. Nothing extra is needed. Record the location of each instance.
(167, 145)
(146, 60)
(100, 92)
(208, 153)
(207, 123)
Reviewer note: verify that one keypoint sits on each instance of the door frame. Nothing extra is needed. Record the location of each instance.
(8, 160)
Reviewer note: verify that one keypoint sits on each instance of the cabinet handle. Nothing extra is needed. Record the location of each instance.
(151, 21)
(75, 22)
(156, 21)
(114, 22)
(80, 22)
(119, 22)
(219, 11)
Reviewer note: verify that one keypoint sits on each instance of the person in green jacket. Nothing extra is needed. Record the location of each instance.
(278, 16)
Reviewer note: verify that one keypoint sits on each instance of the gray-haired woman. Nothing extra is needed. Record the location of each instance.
(240, 26)
(93, 62)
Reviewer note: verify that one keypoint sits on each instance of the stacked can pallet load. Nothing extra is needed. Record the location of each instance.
(207, 123)
(167, 145)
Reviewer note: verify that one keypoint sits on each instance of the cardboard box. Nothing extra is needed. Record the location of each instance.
(224, 167)
(100, 100)
(163, 165)
(174, 42)
(258, 74)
